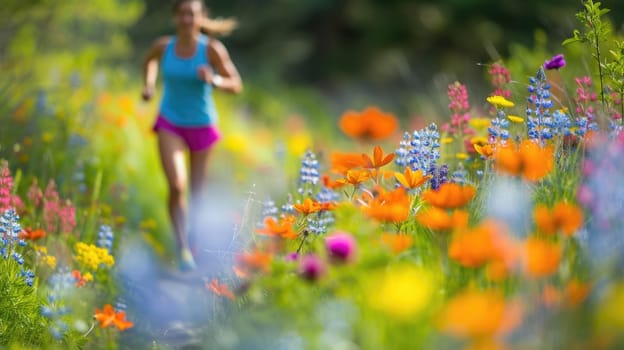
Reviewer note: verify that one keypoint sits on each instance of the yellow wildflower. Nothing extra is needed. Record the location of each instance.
(515, 119)
(479, 123)
(461, 156)
(93, 257)
(401, 292)
(41, 248)
(446, 140)
(50, 260)
(88, 277)
(500, 101)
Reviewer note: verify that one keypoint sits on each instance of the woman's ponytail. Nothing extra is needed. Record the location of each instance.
(218, 26)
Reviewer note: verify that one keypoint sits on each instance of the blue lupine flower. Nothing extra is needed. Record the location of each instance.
(561, 124)
(18, 258)
(439, 176)
(539, 121)
(287, 208)
(326, 195)
(460, 175)
(105, 237)
(309, 173)
(499, 127)
(401, 155)
(61, 283)
(269, 209)
(421, 150)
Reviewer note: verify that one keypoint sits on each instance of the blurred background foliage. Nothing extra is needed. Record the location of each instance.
(353, 51)
(378, 46)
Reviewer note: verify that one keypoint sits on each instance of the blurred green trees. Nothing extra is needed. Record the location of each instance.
(376, 41)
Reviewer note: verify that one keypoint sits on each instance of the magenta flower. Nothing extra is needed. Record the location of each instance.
(555, 63)
(340, 246)
(311, 267)
(292, 256)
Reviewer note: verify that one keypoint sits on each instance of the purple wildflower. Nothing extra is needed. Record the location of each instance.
(555, 63)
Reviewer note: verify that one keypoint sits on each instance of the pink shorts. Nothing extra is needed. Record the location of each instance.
(196, 138)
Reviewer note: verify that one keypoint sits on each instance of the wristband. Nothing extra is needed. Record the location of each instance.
(217, 80)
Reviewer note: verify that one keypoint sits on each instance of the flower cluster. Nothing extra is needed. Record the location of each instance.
(420, 150)
(92, 257)
(105, 237)
(6, 185)
(500, 77)
(460, 107)
(10, 243)
(308, 174)
(539, 104)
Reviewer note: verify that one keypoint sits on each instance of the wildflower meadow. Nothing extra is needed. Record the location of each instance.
(496, 224)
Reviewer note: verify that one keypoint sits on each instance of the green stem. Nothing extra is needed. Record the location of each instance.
(305, 235)
(597, 48)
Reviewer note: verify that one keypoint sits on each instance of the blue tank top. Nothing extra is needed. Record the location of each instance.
(187, 100)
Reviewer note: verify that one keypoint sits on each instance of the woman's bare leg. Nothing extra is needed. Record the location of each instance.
(173, 158)
(199, 169)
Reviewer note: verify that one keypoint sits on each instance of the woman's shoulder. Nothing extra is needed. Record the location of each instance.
(162, 42)
(215, 47)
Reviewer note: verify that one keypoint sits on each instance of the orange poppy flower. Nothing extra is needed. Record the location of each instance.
(308, 207)
(355, 177)
(564, 217)
(411, 179)
(343, 162)
(378, 160)
(507, 252)
(220, 289)
(486, 150)
(108, 317)
(440, 219)
(283, 228)
(255, 261)
(390, 206)
(477, 314)
(32, 235)
(450, 195)
(327, 206)
(529, 159)
(488, 243)
(371, 124)
(397, 242)
(473, 247)
(541, 258)
(329, 183)
(576, 292)
(573, 293)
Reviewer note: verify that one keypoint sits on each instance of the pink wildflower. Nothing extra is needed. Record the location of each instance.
(35, 195)
(459, 106)
(6, 185)
(500, 77)
(67, 216)
(51, 207)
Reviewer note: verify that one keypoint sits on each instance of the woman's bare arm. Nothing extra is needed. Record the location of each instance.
(150, 66)
(224, 67)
